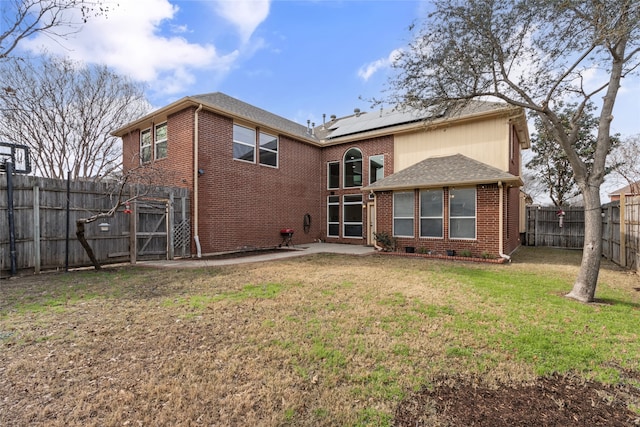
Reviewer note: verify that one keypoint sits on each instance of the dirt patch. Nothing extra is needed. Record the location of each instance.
(550, 401)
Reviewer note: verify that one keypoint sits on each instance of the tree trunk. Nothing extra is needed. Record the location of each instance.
(584, 288)
(85, 244)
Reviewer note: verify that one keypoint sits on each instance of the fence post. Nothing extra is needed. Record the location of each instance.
(36, 230)
(133, 240)
(623, 231)
(535, 228)
(170, 227)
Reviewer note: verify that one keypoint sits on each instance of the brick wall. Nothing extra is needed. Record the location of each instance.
(487, 211)
(368, 147)
(244, 205)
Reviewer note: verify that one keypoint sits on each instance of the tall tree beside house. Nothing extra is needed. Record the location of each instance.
(64, 112)
(551, 164)
(21, 19)
(532, 53)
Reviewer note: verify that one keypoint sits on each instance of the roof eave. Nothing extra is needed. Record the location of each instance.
(515, 181)
(190, 101)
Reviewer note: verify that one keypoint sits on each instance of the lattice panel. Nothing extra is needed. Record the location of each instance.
(182, 235)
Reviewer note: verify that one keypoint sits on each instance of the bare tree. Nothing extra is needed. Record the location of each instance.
(135, 184)
(625, 162)
(64, 111)
(531, 53)
(20, 19)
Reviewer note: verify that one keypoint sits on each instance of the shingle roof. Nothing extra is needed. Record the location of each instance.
(444, 171)
(257, 115)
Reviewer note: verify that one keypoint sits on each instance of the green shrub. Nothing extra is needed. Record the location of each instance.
(386, 241)
(465, 253)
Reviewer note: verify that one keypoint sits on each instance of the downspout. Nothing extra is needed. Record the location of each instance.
(196, 139)
(501, 222)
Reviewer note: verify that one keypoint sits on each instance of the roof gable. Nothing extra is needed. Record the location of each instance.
(442, 172)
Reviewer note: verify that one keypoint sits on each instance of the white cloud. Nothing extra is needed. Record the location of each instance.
(245, 15)
(129, 40)
(365, 72)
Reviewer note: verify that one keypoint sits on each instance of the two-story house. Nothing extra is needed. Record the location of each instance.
(440, 180)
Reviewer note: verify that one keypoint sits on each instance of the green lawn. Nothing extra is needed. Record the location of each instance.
(319, 340)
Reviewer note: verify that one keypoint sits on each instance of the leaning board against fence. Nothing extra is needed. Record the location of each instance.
(632, 231)
(40, 217)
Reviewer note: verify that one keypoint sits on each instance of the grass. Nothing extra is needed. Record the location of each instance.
(320, 340)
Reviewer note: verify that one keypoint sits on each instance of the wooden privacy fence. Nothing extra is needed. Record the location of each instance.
(551, 226)
(157, 227)
(620, 229)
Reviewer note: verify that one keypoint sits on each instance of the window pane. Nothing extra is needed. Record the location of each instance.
(334, 213)
(161, 132)
(145, 154)
(268, 158)
(334, 175)
(269, 142)
(334, 230)
(403, 227)
(462, 202)
(353, 198)
(243, 152)
(353, 168)
(161, 150)
(431, 227)
(376, 168)
(431, 203)
(353, 230)
(334, 199)
(243, 134)
(353, 213)
(403, 204)
(462, 228)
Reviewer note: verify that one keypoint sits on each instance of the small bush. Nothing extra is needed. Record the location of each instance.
(386, 241)
(487, 255)
(465, 253)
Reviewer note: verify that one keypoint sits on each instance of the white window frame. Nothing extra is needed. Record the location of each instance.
(346, 223)
(404, 218)
(239, 142)
(348, 163)
(431, 217)
(147, 145)
(158, 141)
(329, 187)
(452, 194)
(371, 169)
(333, 201)
(262, 148)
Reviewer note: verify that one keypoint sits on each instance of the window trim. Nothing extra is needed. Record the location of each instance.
(344, 212)
(329, 222)
(441, 217)
(261, 149)
(412, 217)
(143, 146)
(345, 169)
(157, 141)
(253, 146)
(371, 169)
(474, 217)
(329, 164)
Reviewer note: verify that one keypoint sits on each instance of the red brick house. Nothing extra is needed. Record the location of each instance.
(441, 180)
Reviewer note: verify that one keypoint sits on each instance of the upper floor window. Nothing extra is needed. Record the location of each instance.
(462, 213)
(376, 168)
(268, 149)
(145, 146)
(244, 143)
(333, 175)
(161, 141)
(353, 168)
(403, 213)
(431, 213)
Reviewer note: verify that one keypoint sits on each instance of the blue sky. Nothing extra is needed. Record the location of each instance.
(296, 58)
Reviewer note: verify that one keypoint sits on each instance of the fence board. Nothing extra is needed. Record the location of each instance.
(40, 218)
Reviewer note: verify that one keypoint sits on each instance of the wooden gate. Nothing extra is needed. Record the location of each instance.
(152, 232)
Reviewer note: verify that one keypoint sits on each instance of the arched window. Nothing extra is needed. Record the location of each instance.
(353, 168)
